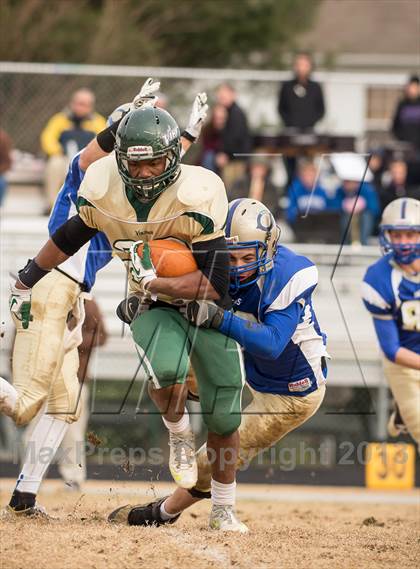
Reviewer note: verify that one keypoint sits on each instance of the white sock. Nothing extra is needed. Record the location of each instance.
(179, 426)
(41, 448)
(223, 494)
(164, 514)
(8, 397)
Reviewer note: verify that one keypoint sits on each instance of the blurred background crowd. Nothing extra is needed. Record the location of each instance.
(314, 183)
(314, 110)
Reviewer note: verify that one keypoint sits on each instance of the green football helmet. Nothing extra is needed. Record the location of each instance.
(145, 134)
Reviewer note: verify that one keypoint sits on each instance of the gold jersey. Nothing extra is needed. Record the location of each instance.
(192, 209)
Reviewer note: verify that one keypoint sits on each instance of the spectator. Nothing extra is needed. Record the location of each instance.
(395, 184)
(363, 209)
(65, 134)
(257, 184)
(305, 194)
(211, 138)
(5, 161)
(377, 165)
(406, 123)
(300, 103)
(236, 138)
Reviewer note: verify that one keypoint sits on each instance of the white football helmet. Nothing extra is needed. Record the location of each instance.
(251, 225)
(403, 213)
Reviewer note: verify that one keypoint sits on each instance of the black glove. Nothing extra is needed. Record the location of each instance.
(131, 307)
(203, 313)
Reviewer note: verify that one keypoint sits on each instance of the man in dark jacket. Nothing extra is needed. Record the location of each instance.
(300, 104)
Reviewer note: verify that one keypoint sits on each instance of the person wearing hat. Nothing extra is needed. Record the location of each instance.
(356, 198)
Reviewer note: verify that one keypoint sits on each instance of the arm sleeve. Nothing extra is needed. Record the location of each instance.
(266, 340)
(388, 337)
(106, 138)
(72, 235)
(212, 258)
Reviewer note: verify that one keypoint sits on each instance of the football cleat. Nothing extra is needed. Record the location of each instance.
(182, 462)
(222, 518)
(36, 511)
(142, 515)
(396, 425)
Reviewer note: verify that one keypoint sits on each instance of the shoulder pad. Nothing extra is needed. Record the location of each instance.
(99, 177)
(198, 185)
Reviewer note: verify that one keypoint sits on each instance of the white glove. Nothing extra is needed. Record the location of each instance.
(146, 97)
(20, 304)
(142, 268)
(198, 115)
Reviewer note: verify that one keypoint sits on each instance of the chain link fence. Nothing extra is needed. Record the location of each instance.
(31, 93)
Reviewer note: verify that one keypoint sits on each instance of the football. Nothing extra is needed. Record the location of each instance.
(171, 258)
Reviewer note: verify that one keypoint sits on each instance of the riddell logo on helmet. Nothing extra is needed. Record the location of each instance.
(137, 151)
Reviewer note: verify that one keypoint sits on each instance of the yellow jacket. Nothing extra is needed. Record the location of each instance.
(60, 128)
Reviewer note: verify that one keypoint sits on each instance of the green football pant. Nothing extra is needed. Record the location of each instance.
(167, 342)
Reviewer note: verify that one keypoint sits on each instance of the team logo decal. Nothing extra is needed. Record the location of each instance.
(264, 221)
(170, 135)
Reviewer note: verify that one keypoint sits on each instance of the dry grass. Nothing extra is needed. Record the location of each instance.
(288, 535)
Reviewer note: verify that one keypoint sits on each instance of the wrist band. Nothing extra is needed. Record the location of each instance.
(31, 273)
(188, 136)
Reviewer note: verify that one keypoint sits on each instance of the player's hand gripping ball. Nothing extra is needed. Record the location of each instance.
(20, 305)
(160, 258)
(169, 258)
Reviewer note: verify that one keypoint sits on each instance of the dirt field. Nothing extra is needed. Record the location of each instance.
(293, 532)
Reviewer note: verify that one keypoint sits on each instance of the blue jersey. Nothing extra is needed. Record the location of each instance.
(284, 347)
(391, 294)
(83, 265)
